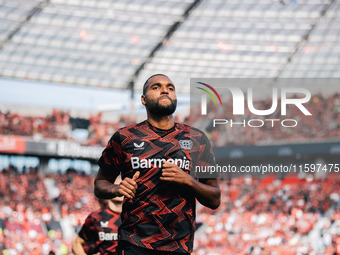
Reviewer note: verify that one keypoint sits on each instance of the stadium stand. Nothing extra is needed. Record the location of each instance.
(33, 222)
(281, 217)
(58, 125)
(323, 126)
(287, 216)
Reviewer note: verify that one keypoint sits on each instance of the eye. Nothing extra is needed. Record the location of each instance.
(172, 88)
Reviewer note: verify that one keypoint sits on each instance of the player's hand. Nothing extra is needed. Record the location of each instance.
(129, 186)
(173, 173)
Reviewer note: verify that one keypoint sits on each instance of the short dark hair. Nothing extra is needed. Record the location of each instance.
(146, 82)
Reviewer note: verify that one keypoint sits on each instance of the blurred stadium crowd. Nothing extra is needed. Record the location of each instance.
(33, 222)
(323, 126)
(257, 216)
(58, 125)
(268, 216)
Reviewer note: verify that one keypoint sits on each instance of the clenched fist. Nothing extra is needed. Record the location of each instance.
(172, 173)
(128, 186)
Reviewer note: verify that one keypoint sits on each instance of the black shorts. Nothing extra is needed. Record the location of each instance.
(126, 248)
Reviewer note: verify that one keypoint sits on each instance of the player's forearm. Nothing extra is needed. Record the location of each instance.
(207, 195)
(104, 189)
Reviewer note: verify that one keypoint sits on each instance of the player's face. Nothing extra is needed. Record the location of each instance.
(160, 97)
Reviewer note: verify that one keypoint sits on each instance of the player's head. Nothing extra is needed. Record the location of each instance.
(159, 96)
(148, 79)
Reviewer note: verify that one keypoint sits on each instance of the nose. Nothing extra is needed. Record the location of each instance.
(164, 90)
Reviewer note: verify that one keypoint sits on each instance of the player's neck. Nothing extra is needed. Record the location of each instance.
(115, 206)
(161, 122)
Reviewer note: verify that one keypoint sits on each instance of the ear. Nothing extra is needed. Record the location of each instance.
(143, 100)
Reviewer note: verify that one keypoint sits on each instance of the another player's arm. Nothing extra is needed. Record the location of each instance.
(105, 188)
(77, 246)
(206, 191)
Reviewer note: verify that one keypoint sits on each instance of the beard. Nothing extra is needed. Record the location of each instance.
(156, 109)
